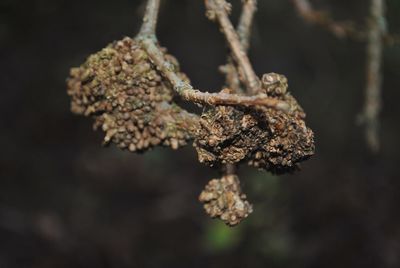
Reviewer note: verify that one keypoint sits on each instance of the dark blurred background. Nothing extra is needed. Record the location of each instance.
(67, 202)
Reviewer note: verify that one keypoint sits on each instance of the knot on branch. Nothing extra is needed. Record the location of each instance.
(223, 198)
(264, 138)
(128, 98)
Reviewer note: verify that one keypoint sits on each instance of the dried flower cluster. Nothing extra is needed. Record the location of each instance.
(128, 98)
(224, 199)
(129, 89)
(264, 138)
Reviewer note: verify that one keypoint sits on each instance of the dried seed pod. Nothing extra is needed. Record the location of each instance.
(128, 98)
(264, 138)
(223, 198)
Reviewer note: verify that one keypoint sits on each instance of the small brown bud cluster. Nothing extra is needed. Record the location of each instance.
(274, 84)
(224, 199)
(264, 138)
(128, 98)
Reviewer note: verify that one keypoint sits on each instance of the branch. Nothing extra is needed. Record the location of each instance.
(217, 8)
(323, 19)
(341, 29)
(148, 29)
(147, 38)
(376, 37)
(246, 22)
(374, 76)
(232, 77)
(187, 92)
(231, 72)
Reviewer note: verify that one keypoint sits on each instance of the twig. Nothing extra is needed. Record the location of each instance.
(246, 22)
(184, 89)
(231, 72)
(252, 82)
(148, 29)
(339, 29)
(374, 77)
(376, 37)
(187, 92)
(232, 77)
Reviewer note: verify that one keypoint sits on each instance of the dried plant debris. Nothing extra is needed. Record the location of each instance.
(128, 98)
(224, 199)
(264, 138)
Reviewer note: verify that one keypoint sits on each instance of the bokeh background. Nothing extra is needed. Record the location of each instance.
(67, 202)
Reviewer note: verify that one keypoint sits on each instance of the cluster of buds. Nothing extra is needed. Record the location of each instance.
(223, 198)
(128, 98)
(264, 138)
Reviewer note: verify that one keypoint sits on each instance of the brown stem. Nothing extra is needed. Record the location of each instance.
(251, 80)
(374, 76)
(187, 92)
(232, 78)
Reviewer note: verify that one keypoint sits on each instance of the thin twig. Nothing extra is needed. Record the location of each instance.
(148, 29)
(252, 82)
(340, 29)
(374, 77)
(231, 72)
(184, 89)
(187, 92)
(232, 77)
(246, 22)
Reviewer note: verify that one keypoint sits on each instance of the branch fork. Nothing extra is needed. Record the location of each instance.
(147, 38)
